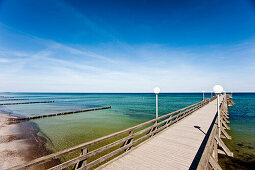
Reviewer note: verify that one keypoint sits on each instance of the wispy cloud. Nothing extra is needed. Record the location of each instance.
(13, 53)
(82, 52)
(4, 60)
(120, 67)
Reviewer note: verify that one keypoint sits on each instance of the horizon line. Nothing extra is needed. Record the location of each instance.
(134, 92)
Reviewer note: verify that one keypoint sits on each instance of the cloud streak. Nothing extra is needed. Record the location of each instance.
(120, 67)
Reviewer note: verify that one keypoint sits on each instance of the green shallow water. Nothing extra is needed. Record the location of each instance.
(242, 124)
(69, 130)
(128, 110)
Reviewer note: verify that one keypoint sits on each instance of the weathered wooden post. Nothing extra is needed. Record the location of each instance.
(218, 89)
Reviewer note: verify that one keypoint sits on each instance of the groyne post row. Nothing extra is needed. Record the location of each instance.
(214, 144)
(27, 103)
(6, 97)
(57, 114)
(98, 151)
(12, 99)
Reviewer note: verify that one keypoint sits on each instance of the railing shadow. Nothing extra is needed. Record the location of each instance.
(200, 151)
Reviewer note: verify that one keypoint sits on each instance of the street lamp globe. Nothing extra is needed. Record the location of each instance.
(156, 90)
(218, 89)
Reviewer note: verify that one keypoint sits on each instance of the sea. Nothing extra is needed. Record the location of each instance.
(127, 110)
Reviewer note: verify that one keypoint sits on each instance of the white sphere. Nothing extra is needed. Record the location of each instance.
(156, 90)
(218, 89)
(203, 91)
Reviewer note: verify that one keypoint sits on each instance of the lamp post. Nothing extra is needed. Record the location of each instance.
(156, 91)
(218, 90)
(203, 95)
(211, 93)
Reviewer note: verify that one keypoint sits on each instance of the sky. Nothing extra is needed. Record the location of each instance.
(127, 46)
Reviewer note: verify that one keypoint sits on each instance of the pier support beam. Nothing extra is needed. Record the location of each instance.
(215, 165)
(226, 134)
(224, 147)
(225, 124)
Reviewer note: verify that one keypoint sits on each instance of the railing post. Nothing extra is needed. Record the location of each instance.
(84, 152)
(130, 140)
(156, 127)
(82, 163)
(178, 117)
(215, 149)
(169, 121)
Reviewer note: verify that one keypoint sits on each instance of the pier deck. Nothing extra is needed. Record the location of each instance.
(174, 148)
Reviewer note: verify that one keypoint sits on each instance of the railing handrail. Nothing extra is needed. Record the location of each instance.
(211, 136)
(59, 154)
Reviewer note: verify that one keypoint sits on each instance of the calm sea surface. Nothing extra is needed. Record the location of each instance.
(127, 110)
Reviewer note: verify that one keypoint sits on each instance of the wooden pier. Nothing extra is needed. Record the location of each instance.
(188, 138)
(57, 114)
(27, 103)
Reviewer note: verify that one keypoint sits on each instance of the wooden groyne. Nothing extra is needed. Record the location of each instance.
(12, 99)
(27, 103)
(57, 114)
(189, 138)
(6, 97)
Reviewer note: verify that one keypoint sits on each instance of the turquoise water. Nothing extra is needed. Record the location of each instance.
(69, 130)
(135, 105)
(242, 124)
(128, 110)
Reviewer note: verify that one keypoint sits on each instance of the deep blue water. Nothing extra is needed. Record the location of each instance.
(242, 118)
(242, 124)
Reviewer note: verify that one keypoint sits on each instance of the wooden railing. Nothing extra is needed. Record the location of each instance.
(210, 149)
(101, 150)
(209, 156)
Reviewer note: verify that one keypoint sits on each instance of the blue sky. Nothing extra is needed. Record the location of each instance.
(127, 46)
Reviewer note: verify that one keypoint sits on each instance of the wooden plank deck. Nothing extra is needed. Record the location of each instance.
(174, 148)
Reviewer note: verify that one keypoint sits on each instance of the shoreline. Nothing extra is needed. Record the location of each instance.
(19, 143)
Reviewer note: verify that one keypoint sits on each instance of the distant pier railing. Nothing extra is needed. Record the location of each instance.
(94, 153)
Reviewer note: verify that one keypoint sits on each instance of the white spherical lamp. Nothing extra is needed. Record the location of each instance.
(156, 90)
(218, 89)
